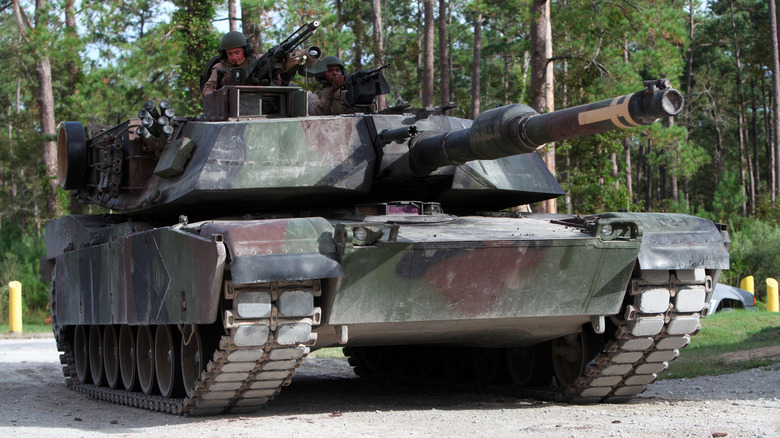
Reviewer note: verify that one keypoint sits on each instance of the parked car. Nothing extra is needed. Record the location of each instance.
(725, 298)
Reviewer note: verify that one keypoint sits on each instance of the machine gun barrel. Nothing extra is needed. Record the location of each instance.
(264, 70)
(365, 74)
(299, 36)
(518, 129)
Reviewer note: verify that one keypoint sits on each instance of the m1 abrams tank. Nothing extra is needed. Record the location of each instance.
(246, 237)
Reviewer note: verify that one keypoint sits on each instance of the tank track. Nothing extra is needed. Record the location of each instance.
(661, 312)
(240, 377)
(663, 315)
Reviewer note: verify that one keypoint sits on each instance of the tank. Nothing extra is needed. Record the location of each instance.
(244, 238)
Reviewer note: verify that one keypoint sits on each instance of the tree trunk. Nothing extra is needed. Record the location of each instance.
(599, 152)
(766, 102)
(688, 86)
(72, 32)
(640, 169)
(614, 162)
(232, 15)
(476, 71)
(564, 104)
(648, 177)
(45, 104)
(508, 61)
(444, 68)
(539, 55)
(49, 146)
(741, 114)
(754, 125)
(379, 46)
(542, 98)
(250, 22)
(339, 52)
(76, 207)
(775, 94)
(629, 182)
(428, 28)
(359, 32)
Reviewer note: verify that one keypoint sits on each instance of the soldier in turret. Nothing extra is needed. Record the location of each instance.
(234, 51)
(332, 98)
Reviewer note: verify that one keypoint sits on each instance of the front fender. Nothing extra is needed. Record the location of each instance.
(278, 249)
(679, 241)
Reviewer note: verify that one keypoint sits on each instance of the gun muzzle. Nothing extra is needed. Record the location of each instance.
(388, 136)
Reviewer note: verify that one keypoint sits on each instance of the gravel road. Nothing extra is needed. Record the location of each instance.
(327, 400)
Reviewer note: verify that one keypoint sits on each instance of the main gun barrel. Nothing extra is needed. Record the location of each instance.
(518, 129)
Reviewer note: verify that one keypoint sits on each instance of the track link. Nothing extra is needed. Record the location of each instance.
(660, 313)
(268, 331)
(662, 317)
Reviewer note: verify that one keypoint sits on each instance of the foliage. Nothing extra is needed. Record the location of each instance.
(195, 41)
(754, 252)
(19, 254)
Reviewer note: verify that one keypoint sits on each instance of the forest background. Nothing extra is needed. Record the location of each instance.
(98, 61)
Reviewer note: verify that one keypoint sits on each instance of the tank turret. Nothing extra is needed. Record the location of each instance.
(255, 146)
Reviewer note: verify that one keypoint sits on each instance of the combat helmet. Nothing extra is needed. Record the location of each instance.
(234, 39)
(318, 70)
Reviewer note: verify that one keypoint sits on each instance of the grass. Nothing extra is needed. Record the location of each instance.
(728, 332)
(28, 328)
(329, 352)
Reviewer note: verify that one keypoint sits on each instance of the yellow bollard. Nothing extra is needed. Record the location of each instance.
(15, 307)
(772, 303)
(747, 284)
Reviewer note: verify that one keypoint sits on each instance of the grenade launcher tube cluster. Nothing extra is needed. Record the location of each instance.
(518, 129)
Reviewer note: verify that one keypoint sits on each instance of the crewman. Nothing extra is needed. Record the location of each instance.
(234, 51)
(332, 98)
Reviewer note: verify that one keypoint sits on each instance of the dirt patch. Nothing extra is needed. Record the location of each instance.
(772, 351)
(25, 335)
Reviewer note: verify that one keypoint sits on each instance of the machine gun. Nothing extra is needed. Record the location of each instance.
(279, 64)
(364, 85)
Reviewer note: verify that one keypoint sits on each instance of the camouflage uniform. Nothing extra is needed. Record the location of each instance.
(211, 84)
(320, 104)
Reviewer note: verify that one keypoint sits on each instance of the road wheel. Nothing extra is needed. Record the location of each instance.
(145, 359)
(81, 353)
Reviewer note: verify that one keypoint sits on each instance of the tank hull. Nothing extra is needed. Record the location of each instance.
(476, 282)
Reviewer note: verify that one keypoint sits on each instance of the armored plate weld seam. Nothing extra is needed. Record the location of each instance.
(236, 379)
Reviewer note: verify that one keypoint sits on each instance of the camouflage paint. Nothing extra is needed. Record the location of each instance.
(278, 249)
(679, 241)
(270, 163)
(482, 268)
(160, 275)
